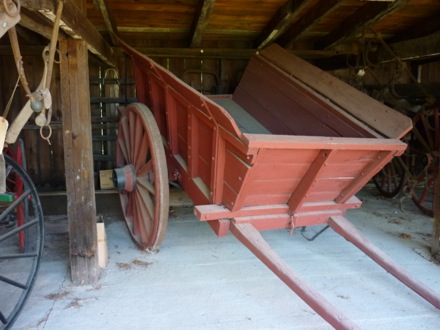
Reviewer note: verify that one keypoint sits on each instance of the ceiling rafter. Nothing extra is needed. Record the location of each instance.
(279, 22)
(418, 49)
(32, 24)
(109, 19)
(421, 29)
(226, 53)
(75, 24)
(313, 15)
(201, 19)
(364, 17)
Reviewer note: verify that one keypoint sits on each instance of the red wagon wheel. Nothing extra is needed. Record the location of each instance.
(141, 176)
(425, 151)
(391, 179)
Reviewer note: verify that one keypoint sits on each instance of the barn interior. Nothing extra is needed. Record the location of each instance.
(389, 50)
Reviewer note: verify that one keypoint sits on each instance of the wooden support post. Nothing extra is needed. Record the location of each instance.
(78, 157)
(252, 239)
(347, 230)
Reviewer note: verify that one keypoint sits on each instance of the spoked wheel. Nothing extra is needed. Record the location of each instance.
(18, 265)
(425, 149)
(141, 176)
(391, 179)
(423, 189)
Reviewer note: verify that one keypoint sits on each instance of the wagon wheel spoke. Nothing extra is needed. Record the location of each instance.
(425, 148)
(142, 176)
(391, 179)
(125, 137)
(21, 241)
(122, 147)
(143, 179)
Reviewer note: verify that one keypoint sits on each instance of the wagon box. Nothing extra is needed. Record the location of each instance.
(288, 149)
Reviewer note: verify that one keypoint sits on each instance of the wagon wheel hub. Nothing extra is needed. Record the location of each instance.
(124, 178)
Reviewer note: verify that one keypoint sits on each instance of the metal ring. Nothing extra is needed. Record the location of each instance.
(45, 55)
(48, 135)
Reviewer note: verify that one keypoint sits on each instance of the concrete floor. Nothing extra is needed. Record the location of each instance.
(199, 281)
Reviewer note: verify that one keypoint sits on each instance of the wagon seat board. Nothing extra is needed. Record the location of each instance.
(282, 151)
(326, 141)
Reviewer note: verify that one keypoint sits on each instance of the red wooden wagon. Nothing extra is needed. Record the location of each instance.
(304, 145)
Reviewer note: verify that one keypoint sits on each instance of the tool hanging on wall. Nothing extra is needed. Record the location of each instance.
(9, 17)
(39, 101)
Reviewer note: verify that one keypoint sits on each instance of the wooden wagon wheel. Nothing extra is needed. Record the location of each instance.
(424, 150)
(18, 268)
(141, 176)
(391, 179)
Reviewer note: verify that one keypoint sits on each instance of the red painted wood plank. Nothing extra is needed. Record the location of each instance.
(372, 112)
(283, 186)
(204, 151)
(283, 156)
(368, 172)
(158, 95)
(216, 211)
(319, 142)
(284, 106)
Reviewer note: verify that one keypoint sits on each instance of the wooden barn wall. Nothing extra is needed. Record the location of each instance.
(109, 88)
(429, 72)
(208, 76)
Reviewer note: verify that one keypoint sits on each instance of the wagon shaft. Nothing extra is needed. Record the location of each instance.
(343, 227)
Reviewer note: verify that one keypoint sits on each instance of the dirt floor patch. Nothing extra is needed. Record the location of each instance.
(57, 296)
(141, 263)
(123, 265)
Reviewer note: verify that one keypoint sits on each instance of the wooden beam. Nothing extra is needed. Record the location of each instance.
(367, 15)
(109, 19)
(78, 158)
(34, 22)
(201, 19)
(312, 16)
(75, 24)
(226, 53)
(280, 22)
(419, 49)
